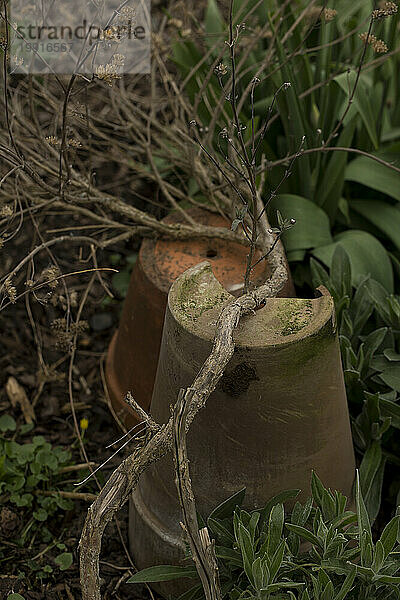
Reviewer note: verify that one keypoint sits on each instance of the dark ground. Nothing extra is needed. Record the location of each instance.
(30, 351)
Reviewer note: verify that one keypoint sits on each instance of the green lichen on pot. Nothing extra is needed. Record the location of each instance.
(294, 314)
(197, 293)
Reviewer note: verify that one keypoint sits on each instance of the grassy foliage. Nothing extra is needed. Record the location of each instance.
(321, 550)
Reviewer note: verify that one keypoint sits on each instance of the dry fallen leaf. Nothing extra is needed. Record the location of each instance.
(17, 396)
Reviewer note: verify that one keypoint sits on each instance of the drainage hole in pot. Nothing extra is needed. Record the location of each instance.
(211, 253)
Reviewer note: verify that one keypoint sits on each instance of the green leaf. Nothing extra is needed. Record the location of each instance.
(226, 508)
(390, 409)
(120, 282)
(213, 22)
(275, 528)
(389, 535)
(330, 189)
(382, 215)
(364, 525)
(367, 257)
(319, 275)
(280, 498)
(391, 376)
(386, 579)
(47, 458)
(15, 597)
(64, 560)
(374, 175)
(312, 227)
(341, 271)
(371, 469)
(347, 585)
(303, 533)
(246, 548)
(361, 101)
(372, 343)
(162, 573)
(40, 514)
(220, 530)
(7, 423)
(275, 587)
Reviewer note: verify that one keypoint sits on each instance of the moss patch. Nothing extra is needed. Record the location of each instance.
(195, 296)
(294, 315)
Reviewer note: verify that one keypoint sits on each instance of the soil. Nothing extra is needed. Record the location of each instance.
(38, 357)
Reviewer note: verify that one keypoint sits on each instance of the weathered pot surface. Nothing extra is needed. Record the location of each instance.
(279, 411)
(133, 353)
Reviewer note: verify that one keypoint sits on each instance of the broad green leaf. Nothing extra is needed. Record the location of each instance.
(194, 593)
(391, 355)
(275, 587)
(246, 548)
(347, 585)
(330, 189)
(374, 175)
(303, 533)
(341, 271)
(213, 20)
(228, 555)
(389, 535)
(362, 101)
(319, 275)
(162, 573)
(218, 528)
(371, 480)
(64, 560)
(7, 423)
(390, 409)
(384, 216)
(367, 257)
(276, 561)
(280, 498)
(275, 528)
(312, 227)
(391, 376)
(387, 579)
(371, 345)
(226, 508)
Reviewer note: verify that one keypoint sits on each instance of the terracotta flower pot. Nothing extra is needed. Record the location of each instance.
(279, 411)
(133, 353)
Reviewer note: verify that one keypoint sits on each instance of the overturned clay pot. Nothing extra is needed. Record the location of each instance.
(133, 352)
(279, 411)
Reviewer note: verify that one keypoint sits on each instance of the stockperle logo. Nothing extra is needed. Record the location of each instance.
(102, 38)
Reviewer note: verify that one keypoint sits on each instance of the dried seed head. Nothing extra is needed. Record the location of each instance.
(6, 211)
(50, 276)
(118, 60)
(329, 14)
(386, 9)
(74, 143)
(220, 70)
(52, 140)
(176, 23)
(127, 15)
(108, 73)
(11, 291)
(378, 46)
